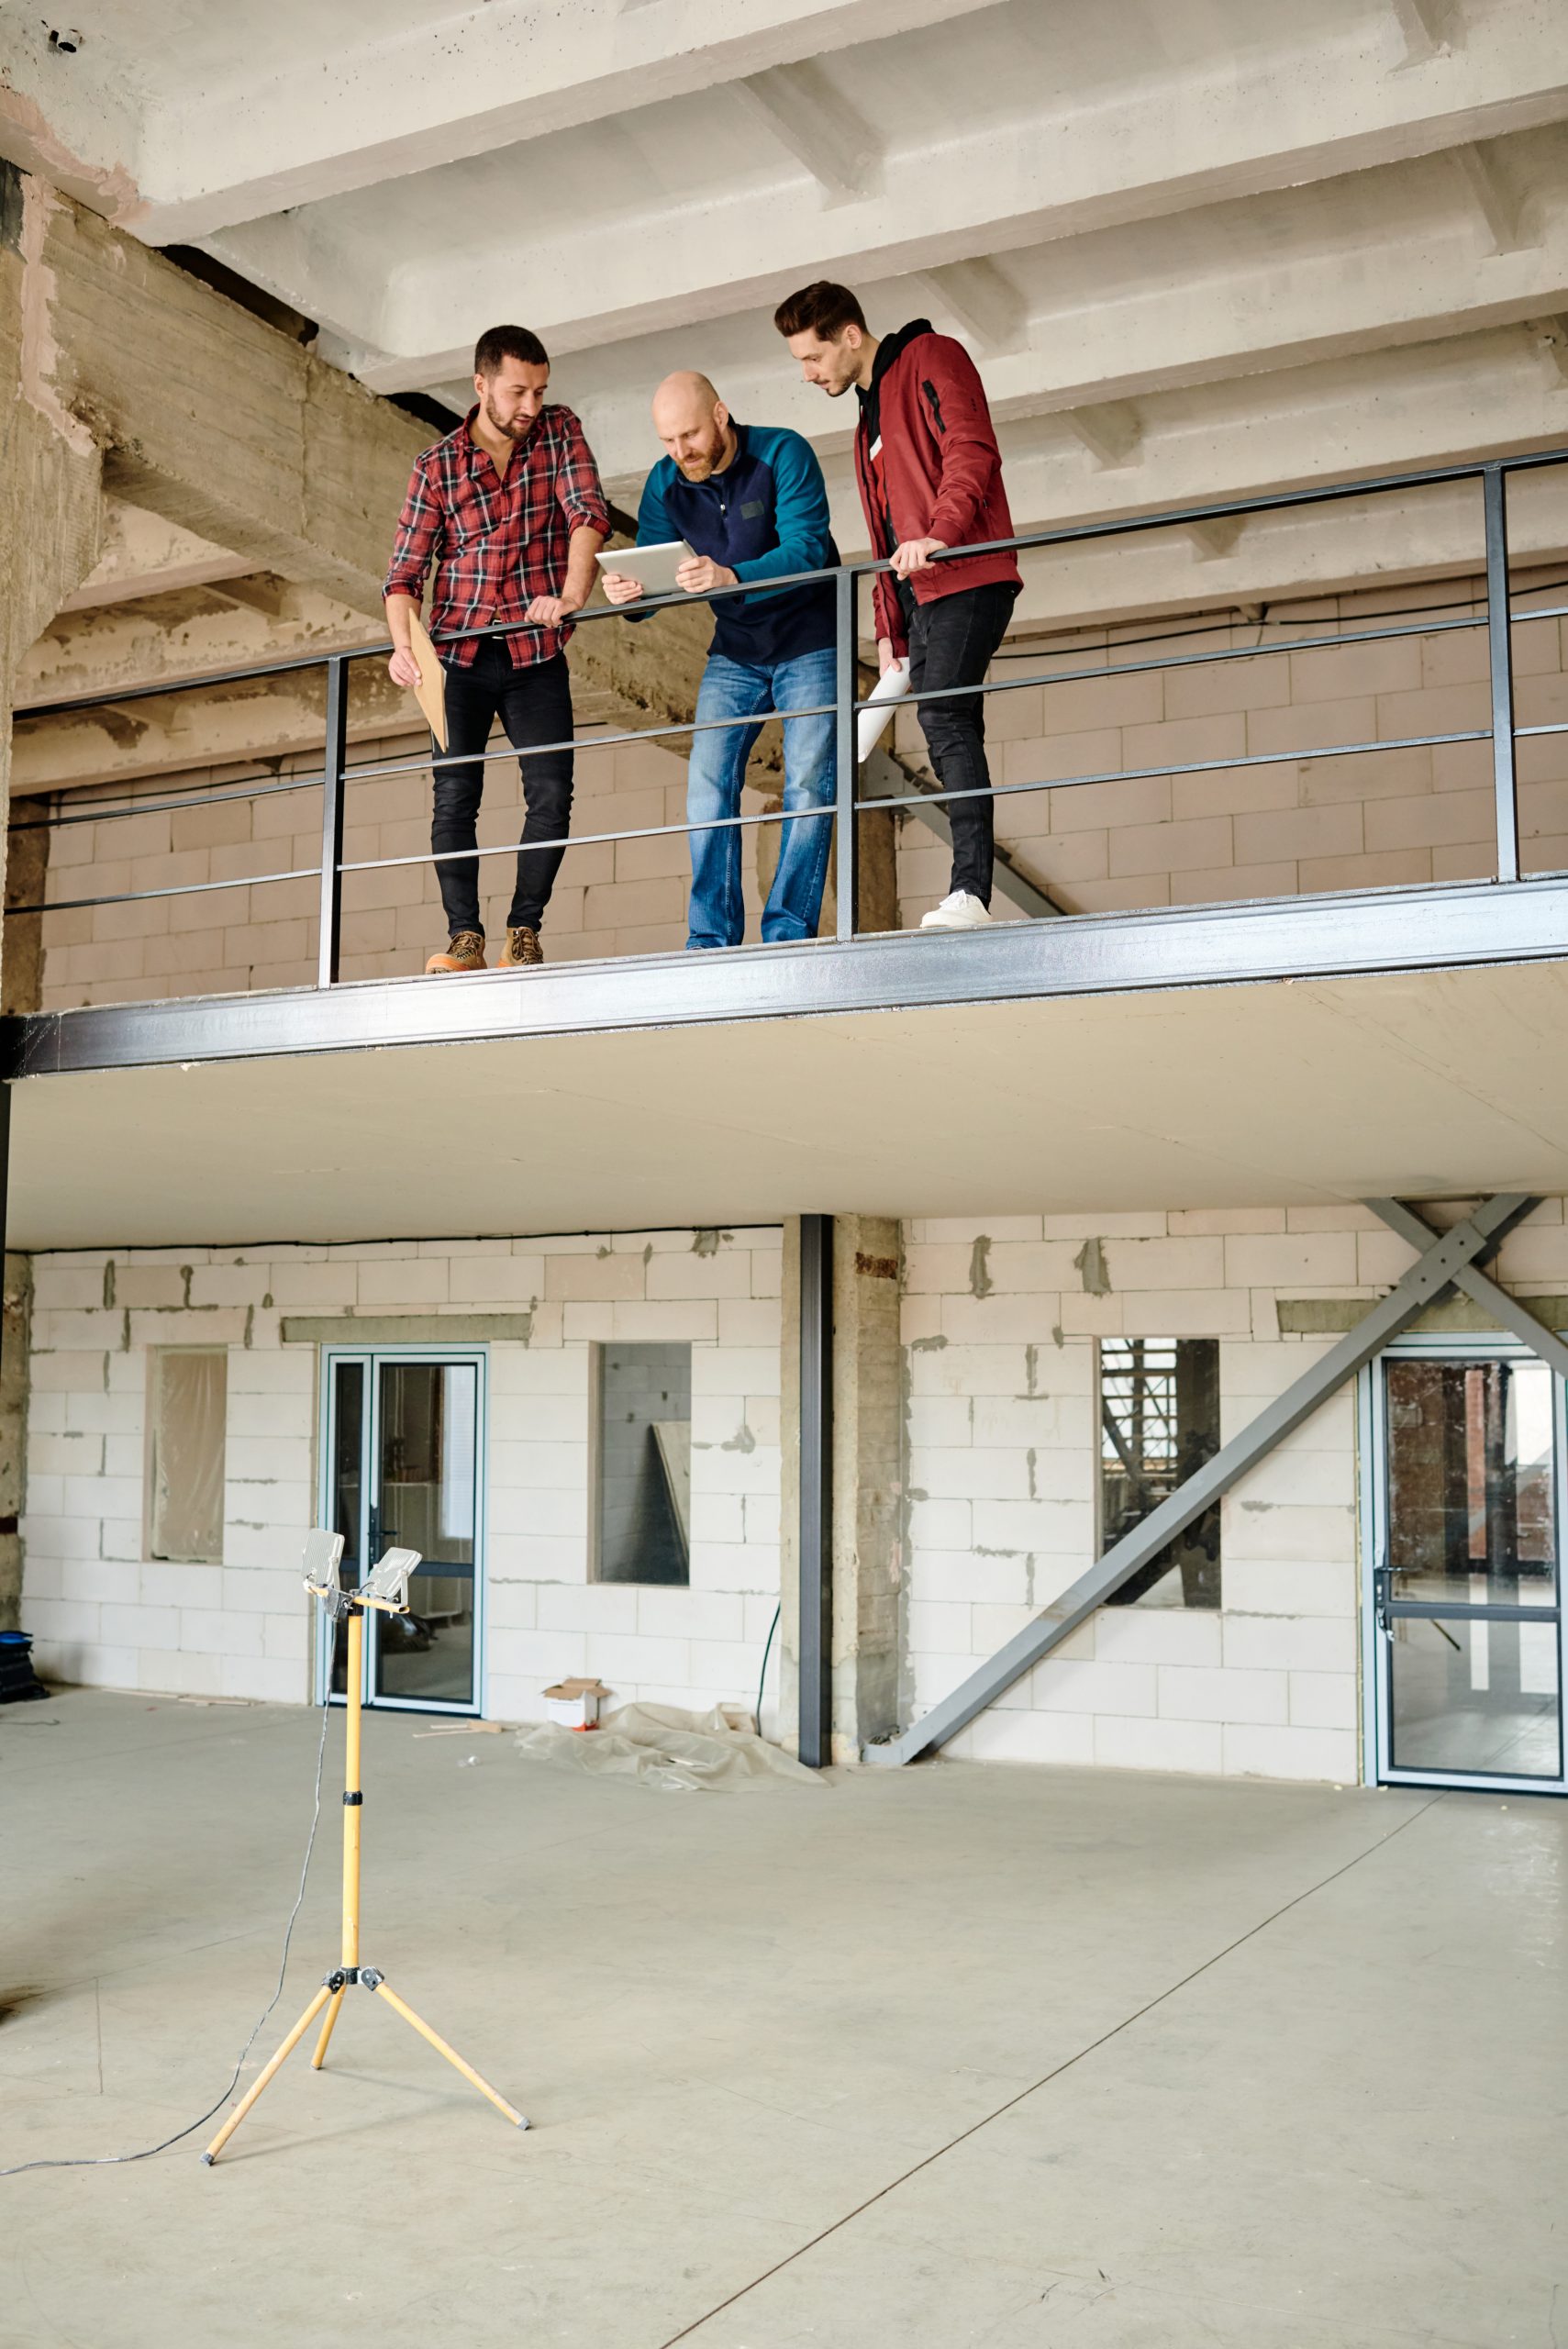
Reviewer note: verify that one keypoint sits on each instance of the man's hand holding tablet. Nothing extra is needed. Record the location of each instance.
(629, 572)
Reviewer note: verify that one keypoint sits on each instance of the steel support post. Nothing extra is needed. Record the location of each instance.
(1510, 1312)
(815, 1643)
(1499, 644)
(845, 677)
(336, 756)
(1434, 1271)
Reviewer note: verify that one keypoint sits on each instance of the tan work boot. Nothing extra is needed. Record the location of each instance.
(466, 953)
(522, 946)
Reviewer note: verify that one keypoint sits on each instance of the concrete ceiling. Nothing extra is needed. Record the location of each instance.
(1200, 246)
(1433, 1083)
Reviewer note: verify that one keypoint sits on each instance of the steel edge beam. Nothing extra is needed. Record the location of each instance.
(1447, 927)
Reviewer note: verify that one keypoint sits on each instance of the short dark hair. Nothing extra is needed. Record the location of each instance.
(820, 308)
(507, 343)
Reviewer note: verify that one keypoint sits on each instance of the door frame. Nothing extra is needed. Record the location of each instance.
(1457, 1345)
(330, 1356)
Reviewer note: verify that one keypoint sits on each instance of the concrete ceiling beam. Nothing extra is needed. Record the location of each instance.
(1237, 290)
(1082, 163)
(143, 555)
(111, 647)
(800, 106)
(1110, 431)
(343, 113)
(1427, 28)
(287, 464)
(979, 296)
(1484, 174)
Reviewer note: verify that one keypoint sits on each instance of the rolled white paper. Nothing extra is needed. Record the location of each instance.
(890, 686)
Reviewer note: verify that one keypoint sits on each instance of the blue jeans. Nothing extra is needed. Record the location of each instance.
(735, 689)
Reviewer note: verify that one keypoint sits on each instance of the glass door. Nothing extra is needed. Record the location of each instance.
(403, 1446)
(1465, 1630)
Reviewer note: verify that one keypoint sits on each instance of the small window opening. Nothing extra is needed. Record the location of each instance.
(1159, 1424)
(644, 1497)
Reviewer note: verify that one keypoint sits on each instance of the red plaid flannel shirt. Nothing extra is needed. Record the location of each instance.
(497, 544)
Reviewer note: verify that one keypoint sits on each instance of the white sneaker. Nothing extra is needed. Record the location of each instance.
(961, 911)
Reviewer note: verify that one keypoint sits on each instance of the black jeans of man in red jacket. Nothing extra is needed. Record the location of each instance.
(953, 642)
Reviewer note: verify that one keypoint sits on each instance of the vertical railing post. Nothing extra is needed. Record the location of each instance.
(334, 758)
(814, 1645)
(844, 679)
(1499, 642)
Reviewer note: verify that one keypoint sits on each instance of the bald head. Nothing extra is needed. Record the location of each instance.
(694, 424)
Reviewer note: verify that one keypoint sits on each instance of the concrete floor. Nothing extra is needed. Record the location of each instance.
(1005, 2057)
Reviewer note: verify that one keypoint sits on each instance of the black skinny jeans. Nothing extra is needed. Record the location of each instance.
(951, 642)
(534, 705)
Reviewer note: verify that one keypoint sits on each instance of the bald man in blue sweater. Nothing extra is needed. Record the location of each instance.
(751, 501)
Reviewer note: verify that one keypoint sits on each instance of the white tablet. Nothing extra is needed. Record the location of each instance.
(653, 568)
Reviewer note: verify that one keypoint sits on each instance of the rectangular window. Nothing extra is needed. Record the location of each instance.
(188, 1416)
(643, 1496)
(1159, 1423)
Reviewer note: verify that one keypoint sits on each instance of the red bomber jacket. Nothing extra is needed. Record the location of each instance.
(927, 466)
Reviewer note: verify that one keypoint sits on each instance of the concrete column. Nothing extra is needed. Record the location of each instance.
(867, 1480)
(18, 1310)
(50, 470)
(50, 501)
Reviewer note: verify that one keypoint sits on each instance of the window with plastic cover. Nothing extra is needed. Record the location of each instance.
(1159, 1424)
(187, 1414)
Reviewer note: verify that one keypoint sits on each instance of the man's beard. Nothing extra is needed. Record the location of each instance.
(519, 430)
(699, 468)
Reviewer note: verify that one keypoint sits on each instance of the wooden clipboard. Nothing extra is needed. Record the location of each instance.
(430, 693)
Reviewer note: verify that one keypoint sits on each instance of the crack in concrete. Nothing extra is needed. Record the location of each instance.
(1068, 2063)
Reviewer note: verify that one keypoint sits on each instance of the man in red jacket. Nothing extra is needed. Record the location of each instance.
(930, 474)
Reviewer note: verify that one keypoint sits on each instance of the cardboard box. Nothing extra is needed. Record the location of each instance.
(575, 1703)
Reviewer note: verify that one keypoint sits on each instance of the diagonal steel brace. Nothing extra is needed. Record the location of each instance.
(1510, 1312)
(1443, 1261)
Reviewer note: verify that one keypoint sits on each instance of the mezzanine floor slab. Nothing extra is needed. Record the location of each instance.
(1023, 2059)
(627, 1097)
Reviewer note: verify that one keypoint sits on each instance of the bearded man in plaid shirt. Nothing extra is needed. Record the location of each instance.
(509, 512)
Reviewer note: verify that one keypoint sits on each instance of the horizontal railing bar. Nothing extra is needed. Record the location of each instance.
(1117, 525)
(600, 839)
(1177, 661)
(440, 856)
(580, 743)
(1561, 727)
(196, 683)
(183, 889)
(697, 726)
(1196, 766)
(778, 816)
(1233, 615)
(163, 806)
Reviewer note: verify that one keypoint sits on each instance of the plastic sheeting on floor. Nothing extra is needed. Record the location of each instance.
(664, 1746)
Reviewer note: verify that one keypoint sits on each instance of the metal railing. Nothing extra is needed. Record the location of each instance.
(337, 773)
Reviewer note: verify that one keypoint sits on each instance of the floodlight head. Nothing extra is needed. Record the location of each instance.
(388, 1580)
(323, 1553)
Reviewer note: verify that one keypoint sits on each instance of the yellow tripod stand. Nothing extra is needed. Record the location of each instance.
(386, 1591)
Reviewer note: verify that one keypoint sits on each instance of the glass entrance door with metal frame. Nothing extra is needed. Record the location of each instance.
(403, 1442)
(1464, 1656)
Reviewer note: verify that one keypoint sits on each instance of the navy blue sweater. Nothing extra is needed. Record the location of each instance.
(764, 516)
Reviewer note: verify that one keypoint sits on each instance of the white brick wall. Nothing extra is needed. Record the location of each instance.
(103, 1612)
(1002, 1467)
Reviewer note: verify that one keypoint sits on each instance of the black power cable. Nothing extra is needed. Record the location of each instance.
(762, 1675)
(103, 2161)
